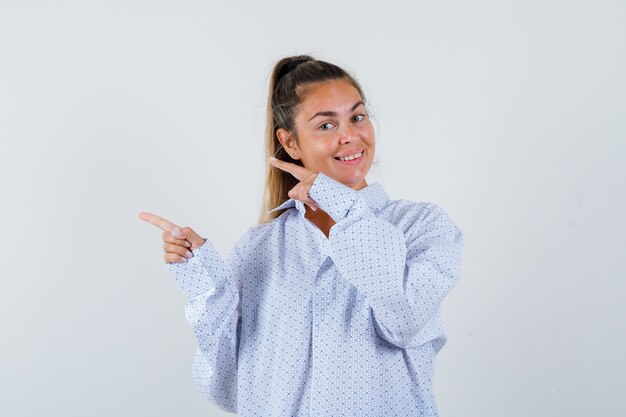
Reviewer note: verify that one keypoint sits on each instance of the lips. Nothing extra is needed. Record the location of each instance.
(350, 153)
(353, 161)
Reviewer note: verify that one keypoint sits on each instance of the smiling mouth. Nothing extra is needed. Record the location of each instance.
(352, 160)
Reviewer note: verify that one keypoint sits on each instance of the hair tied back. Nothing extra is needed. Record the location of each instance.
(288, 67)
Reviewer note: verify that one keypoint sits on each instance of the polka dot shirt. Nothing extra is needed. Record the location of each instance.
(297, 324)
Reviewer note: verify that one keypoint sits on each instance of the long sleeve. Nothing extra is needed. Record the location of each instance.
(404, 276)
(213, 309)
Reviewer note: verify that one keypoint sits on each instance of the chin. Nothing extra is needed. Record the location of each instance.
(354, 181)
(351, 179)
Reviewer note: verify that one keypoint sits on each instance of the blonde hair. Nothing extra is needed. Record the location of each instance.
(289, 80)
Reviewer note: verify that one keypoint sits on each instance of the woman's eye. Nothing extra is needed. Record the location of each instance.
(325, 124)
(362, 116)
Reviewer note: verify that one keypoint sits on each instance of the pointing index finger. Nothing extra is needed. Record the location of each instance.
(158, 221)
(297, 171)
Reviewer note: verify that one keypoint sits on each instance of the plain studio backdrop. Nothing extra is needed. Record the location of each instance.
(509, 115)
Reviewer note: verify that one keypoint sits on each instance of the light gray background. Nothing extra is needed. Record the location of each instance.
(510, 115)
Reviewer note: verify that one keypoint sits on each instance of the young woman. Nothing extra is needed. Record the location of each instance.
(330, 305)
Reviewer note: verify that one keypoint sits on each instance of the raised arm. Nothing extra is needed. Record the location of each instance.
(211, 288)
(404, 277)
(213, 310)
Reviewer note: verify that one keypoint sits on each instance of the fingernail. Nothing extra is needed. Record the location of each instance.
(189, 254)
(176, 232)
(187, 244)
(272, 159)
(183, 259)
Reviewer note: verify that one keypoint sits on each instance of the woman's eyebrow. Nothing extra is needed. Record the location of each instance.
(333, 113)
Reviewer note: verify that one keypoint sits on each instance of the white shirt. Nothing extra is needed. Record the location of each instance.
(297, 324)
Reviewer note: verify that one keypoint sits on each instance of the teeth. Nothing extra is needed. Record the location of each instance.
(351, 157)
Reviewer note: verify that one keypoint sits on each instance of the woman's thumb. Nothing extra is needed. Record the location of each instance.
(189, 235)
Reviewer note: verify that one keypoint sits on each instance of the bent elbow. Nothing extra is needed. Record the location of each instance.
(217, 379)
(410, 337)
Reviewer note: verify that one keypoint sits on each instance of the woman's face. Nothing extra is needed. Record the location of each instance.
(332, 122)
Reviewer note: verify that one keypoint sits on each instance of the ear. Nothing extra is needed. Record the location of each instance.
(288, 142)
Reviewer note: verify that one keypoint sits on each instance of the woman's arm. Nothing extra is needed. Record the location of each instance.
(403, 277)
(213, 310)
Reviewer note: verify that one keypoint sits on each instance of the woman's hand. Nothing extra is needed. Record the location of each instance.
(306, 177)
(178, 241)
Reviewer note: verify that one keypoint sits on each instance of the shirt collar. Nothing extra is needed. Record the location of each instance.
(374, 194)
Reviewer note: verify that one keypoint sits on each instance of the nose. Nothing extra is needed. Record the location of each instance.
(347, 134)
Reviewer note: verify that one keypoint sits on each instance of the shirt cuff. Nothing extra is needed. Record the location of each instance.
(338, 200)
(192, 276)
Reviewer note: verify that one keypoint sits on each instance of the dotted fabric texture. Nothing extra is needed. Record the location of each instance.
(297, 324)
